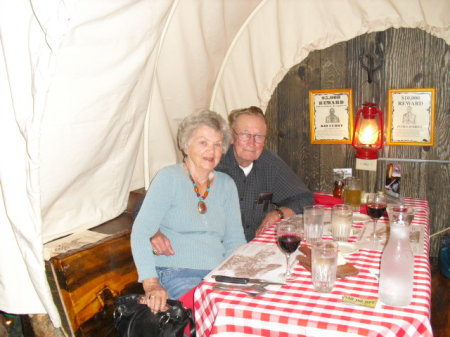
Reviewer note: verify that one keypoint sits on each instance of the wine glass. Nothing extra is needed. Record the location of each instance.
(376, 206)
(289, 236)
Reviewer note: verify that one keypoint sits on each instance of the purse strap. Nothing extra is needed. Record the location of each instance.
(138, 313)
(178, 305)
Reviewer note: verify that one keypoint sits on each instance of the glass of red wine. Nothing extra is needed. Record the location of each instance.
(289, 236)
(376, 206)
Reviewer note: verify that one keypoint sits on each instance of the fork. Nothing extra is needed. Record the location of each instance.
(258, 289)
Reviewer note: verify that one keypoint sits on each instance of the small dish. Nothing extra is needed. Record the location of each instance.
(359, 217)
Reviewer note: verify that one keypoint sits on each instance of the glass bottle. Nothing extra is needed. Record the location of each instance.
(397, 267)
(338, 185)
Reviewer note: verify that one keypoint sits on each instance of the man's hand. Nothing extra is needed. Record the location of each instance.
(161, 244)
(273, 217)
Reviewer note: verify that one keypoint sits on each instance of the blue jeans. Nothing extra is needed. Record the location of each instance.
(178, 281)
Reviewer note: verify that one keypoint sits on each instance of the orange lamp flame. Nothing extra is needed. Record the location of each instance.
(368, 135)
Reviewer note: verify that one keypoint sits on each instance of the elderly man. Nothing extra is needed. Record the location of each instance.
(268, 189)
(262, 178)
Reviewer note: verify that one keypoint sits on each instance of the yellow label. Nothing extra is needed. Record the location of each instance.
(366, 302)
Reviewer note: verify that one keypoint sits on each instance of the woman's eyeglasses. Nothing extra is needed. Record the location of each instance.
(245, 137)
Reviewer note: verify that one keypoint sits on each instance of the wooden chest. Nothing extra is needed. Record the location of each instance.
(86, 281)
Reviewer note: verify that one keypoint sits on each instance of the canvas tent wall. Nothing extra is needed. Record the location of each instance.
(92, 94)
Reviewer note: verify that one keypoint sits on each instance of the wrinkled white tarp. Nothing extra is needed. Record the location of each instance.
(77, 78)
(282, 33)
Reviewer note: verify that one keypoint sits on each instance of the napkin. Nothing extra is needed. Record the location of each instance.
(363, 209)
(343, 270)
(326, 200)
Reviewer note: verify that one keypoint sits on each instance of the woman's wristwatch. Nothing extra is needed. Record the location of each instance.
(280, 212)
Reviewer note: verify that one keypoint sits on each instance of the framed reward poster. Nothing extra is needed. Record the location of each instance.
(331, 116)
(411, 117)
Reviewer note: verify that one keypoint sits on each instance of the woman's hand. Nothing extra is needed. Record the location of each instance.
(155, 295)
(161, 244)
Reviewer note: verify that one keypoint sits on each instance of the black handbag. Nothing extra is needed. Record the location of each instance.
(132, 319)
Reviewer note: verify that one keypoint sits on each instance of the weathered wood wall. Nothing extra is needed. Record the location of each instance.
(412, 59)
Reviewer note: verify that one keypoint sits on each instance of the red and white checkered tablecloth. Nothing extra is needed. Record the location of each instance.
(296, 309)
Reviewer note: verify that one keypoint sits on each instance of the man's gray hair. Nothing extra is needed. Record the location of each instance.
(202, 118)
(250, 111)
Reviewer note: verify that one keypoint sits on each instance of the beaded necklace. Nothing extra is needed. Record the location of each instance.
(201, 206)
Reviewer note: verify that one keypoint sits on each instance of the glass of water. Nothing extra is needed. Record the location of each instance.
(324, 256)
(313, 223)
(341, 222)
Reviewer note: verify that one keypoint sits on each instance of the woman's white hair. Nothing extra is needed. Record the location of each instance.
(202, 118)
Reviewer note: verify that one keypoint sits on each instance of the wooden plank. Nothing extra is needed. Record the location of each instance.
(364, 49)
(307, 77)
(272, 121)
(290, 124)
(404, 69)
(437, 176)
(333, 69)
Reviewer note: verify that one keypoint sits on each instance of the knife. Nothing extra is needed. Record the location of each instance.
(241, 280)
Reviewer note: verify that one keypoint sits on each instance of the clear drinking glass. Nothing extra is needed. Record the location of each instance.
(341, 222)
(352, 192)
(324, 265)
(313, 222)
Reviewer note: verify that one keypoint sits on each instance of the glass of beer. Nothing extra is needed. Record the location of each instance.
(352, 192)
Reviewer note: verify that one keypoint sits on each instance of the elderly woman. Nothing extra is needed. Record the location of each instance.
(195, 207)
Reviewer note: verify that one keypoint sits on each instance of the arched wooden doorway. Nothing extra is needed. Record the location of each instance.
(412, 59)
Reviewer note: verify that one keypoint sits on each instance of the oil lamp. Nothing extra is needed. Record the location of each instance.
(368, 134)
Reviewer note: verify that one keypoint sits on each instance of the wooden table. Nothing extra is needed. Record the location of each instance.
(295, 309)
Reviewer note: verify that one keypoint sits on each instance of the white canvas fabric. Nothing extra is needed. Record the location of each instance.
(92, 92)
(28, 36)
(75, 79)
(191, 53)
(280, 34)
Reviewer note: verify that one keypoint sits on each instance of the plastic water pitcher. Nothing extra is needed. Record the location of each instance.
(397, 267)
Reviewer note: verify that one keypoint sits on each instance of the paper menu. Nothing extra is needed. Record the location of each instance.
(255, 260)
